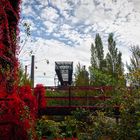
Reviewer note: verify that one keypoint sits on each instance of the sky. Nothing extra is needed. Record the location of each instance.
(63, 30)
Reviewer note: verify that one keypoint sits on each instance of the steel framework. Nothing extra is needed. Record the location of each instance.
(64, 71)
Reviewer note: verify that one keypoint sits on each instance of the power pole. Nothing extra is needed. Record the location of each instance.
(32, 70)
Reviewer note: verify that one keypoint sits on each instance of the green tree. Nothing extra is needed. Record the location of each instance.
(114, 59)
(100, 78)
(98, 63)
(108, 70)
(93, 56)
(98, 68)
(81, 79)
(134, 66)
(81, 76)
(97, 53)
(23, 78)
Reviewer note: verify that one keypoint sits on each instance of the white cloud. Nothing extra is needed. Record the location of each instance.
(60, 4)
(50, 26)
(43, 2)
(84, 11)
(49, 13)
(136, 5)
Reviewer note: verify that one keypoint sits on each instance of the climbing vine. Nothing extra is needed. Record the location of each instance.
(18, 105)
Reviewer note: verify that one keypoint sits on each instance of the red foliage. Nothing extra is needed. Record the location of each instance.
(17, 107)
(9, 13)
(20, 110)
(30, 100)
(40, 92)
(15, 110)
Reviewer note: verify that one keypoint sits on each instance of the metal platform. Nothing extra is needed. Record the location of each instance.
(64, 71)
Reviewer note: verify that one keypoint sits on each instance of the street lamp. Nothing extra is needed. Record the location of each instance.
(32, 68)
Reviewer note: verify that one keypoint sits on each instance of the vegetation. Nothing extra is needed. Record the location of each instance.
(106, 70)
(23, 78)
(113, 59)
(97, 53)
(117, 118)
(95, 126)
(81, 76)
(120, 117)
(134, 67)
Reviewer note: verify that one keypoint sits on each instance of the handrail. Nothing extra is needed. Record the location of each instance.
(79, 97)
(79, 88)
(89, 107)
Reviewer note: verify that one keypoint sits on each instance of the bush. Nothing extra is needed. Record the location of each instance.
(48, 128)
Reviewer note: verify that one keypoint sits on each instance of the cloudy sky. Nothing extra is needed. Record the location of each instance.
(63, 30)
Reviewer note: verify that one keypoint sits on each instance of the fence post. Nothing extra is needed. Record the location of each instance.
(117, 114)
(39, 103)
(69, 96)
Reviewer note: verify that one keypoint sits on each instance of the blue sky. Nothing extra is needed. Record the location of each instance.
(63, 30)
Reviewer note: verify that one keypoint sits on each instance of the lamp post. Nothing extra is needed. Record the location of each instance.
(25, 72)
(32, 70)
(33, 67)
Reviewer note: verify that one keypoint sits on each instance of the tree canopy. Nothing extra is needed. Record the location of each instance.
(134, 66)
(107, 69)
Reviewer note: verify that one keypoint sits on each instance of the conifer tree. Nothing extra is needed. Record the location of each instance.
(98, 63)
(134, 67)
(108, 70)
(93, 56)
(97, 53)
(114, 58)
